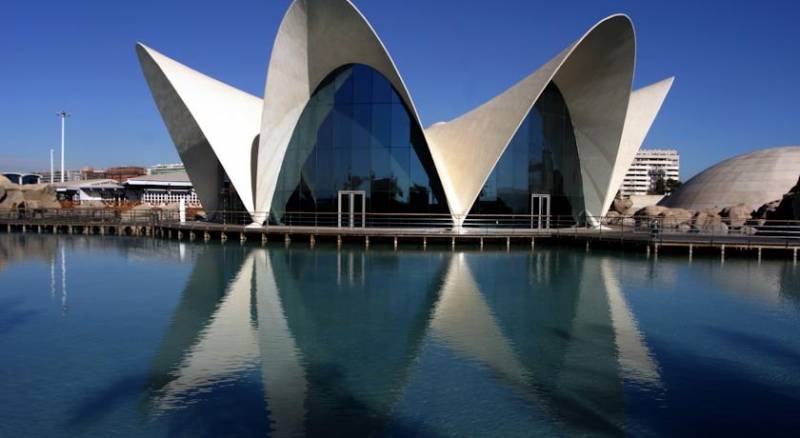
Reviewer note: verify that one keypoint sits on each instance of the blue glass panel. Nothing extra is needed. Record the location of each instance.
(357, 134)
(381, 125)
(344, 88)
(381, 89)
(362, 84)
(362, 125)
(401, 126)
(542, 158)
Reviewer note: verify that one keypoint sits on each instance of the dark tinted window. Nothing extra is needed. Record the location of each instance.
(357, 134)
(542, 158)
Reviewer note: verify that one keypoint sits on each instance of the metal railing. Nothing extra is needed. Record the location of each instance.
(659, 229)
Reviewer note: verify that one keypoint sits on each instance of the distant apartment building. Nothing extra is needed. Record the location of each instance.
(160, 169)
(649, 167)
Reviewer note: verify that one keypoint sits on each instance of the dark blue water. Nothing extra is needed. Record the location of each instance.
(137, 337)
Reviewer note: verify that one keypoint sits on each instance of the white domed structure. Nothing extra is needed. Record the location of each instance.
(752, 179)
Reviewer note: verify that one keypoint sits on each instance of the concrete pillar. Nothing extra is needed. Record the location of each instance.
(191, 235)
(286, 240)
(722, 253)
(452, 243)
(759, 254)
(424, 243)
(180, 235)
(508, 243)
(366, 241)
(206, 236)
(794, 256)
(339, 241)
(102, 230)
(242, 237)
(223, 237)
(648, 251)
(312, 241)
(263, 238)
(395, 243)
(655, 248)
(587, 246)
(24, 229)
(8, 228)
(481, 240)
(533, 243)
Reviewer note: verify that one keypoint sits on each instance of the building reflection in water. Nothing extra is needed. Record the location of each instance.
(352, 357)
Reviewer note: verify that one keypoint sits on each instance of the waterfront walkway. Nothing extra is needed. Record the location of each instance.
(784, 239)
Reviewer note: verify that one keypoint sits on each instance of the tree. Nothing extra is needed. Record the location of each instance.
(671, 185)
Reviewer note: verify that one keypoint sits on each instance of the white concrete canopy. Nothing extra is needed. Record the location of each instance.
(594, 75)
(643, 108)
(315, 38)
(209, 122)
(212, 122)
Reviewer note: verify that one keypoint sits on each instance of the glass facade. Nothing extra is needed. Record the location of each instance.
(356, 134)
(542, 158)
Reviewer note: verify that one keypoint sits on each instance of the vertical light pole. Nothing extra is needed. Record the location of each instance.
(52, 176)
(63, 115)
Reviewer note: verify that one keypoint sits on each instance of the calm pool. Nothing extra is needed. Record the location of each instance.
(138, 337)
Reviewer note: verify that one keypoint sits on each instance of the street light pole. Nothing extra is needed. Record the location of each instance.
(52, 176)
(63, 115)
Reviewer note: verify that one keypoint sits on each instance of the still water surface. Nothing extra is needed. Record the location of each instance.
(138, 337)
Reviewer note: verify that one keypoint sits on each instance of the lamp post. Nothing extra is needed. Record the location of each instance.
(63, 115)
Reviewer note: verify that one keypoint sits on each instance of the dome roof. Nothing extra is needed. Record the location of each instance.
(753, 179)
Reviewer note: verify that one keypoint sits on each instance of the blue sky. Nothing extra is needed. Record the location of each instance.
(736, 65)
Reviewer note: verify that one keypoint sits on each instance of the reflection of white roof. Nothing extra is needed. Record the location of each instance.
(173, 179)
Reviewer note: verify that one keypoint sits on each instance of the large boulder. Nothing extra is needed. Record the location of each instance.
(651, 211)
(737, 215)
(767, 209)
(788, 208)
(623, 206)
(707, 221)
(612, 218)
(675, 217)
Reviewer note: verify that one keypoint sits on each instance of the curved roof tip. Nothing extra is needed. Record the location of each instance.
(306, 50)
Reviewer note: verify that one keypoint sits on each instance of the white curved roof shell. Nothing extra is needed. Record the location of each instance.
(209, 122)
(752, 179)
(316, 37)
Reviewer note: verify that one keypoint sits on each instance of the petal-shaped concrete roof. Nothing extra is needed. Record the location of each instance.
(594, 75)
(208, 121)
(314, 39)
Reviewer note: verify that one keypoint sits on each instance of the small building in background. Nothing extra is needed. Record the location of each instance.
(650, 172)
(108, 191)
(159, 169)
(121, 174)
(23, 178)
(162, 189)
(69, 175)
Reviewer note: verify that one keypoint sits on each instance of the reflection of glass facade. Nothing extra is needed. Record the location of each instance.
(356, 134)
(542, 158)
